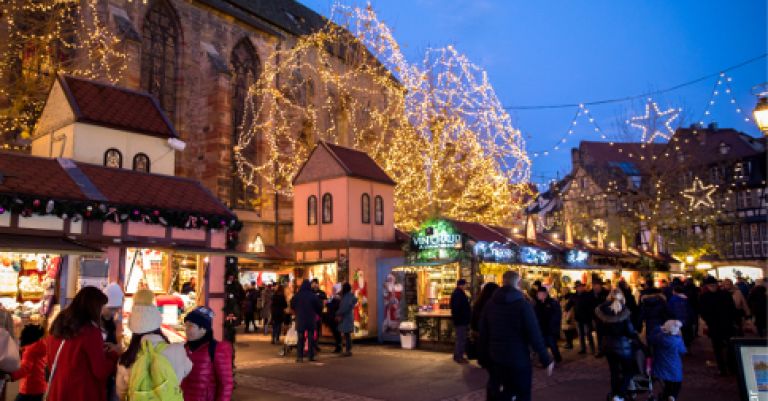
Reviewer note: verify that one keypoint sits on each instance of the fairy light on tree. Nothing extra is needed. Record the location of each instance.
(437, 128)
(42, 38)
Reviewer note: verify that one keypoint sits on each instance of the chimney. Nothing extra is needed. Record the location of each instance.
(712, 126)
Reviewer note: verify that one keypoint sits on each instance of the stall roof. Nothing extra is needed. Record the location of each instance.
(45, 244)
(478, 231)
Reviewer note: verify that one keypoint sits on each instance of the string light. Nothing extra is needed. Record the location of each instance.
(723, 84)
(46, 37)
(700, 194)
(581, 110)
(436, 127)
(650, 122)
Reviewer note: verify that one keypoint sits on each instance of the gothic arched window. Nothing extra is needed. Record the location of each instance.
(161, 35)
(312, 210)
(141, 162)
(113, 158)
(245, 71)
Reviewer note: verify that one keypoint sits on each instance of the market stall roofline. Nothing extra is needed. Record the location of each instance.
(45, 244)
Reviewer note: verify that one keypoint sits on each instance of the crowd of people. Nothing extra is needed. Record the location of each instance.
(611, 321)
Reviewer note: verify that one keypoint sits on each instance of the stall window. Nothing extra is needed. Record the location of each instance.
(365, 206)
(312, 210)
(378, 205)
(327, 208)
(113, 158)
(141, 163)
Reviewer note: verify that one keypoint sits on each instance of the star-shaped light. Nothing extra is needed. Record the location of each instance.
(700, 194)
(653, 121)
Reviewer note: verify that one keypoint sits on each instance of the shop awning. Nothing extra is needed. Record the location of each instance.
(44, 244)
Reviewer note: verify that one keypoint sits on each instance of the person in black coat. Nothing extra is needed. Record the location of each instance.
(600, 294)
(614, 324)
(719, 313)
(508, 330)
(693, 292)
(461, 315)
(307, 307)
(757, 304)
(252, 295)
(330, 317)
(277, 313)
(549, 315)
(653, 309)
(583, 303)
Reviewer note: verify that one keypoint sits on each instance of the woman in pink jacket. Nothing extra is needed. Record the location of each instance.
(211, 378)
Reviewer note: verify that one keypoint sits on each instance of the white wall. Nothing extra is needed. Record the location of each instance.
(92, 141)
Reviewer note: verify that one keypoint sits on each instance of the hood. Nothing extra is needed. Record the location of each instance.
(653, 298)
(507, 295)
(305, 286)
(604, 313)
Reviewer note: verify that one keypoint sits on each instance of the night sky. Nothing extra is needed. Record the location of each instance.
(569, 51)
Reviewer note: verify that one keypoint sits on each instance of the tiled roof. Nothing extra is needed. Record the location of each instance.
(479, 232)
(43, 177)
(357, 164)
(27, 175)
(704, 145)
(130, 187)
(115, 107)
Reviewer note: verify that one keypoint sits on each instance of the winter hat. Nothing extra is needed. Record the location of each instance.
(145, 317)
(202, 317)
(114, 296)
(672, 327)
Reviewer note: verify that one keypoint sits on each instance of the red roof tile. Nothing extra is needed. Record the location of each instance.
(46, 178)
(115, 107)
(35, 176)
(358, 164)
(130, 187)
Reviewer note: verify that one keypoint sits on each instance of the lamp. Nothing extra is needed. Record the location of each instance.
(689, 259)
(761, 114)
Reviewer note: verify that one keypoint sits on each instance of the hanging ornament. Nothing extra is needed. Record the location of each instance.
(700, 194)
(658, 122)
(36, 203)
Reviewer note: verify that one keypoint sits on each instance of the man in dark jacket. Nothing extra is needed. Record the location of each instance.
(508, 329)
(758, 303)
(307, 307)
(693, 292)
(584, 304)
(600, 294)
(719, 313)
(653, 308)
(461, 314)
(549, 315)
(680, 309)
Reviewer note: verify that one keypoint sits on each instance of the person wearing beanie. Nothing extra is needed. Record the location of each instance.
(667, 362)
(32, 383)
(211, 378)
(145, 325)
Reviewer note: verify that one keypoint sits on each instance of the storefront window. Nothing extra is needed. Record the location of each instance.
(24, 280)
(145, 268)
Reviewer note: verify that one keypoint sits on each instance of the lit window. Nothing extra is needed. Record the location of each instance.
(312, 210)
(113, 158)
(327, 209)
(378, 206)
(724, 148)
(365, 206)
(141, 163)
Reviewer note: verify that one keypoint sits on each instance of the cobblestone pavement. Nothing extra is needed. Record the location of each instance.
(383, 372)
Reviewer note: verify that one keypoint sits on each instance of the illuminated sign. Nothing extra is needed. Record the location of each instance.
(535, 256)
(494, 252)
(436, 234)
(577, 257)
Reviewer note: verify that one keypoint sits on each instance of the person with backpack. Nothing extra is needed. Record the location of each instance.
(31, 375)
(150, 360)
(80, 361)
(211, 378)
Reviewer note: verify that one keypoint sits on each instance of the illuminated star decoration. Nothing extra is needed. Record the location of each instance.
(654, 121)
(700, 194)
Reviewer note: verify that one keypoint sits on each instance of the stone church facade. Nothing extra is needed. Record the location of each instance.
(198, 58)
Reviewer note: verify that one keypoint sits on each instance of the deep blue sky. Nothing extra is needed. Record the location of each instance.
(571, 51)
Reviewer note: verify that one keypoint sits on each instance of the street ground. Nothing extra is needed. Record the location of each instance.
(386, 372)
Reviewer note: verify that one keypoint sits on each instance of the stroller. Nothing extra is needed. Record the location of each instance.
(641, 384)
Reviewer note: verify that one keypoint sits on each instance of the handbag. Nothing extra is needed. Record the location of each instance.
(10, 361)
(53, 370)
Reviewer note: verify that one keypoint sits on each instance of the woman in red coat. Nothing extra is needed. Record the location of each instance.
(211, 376)
(85, 361)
